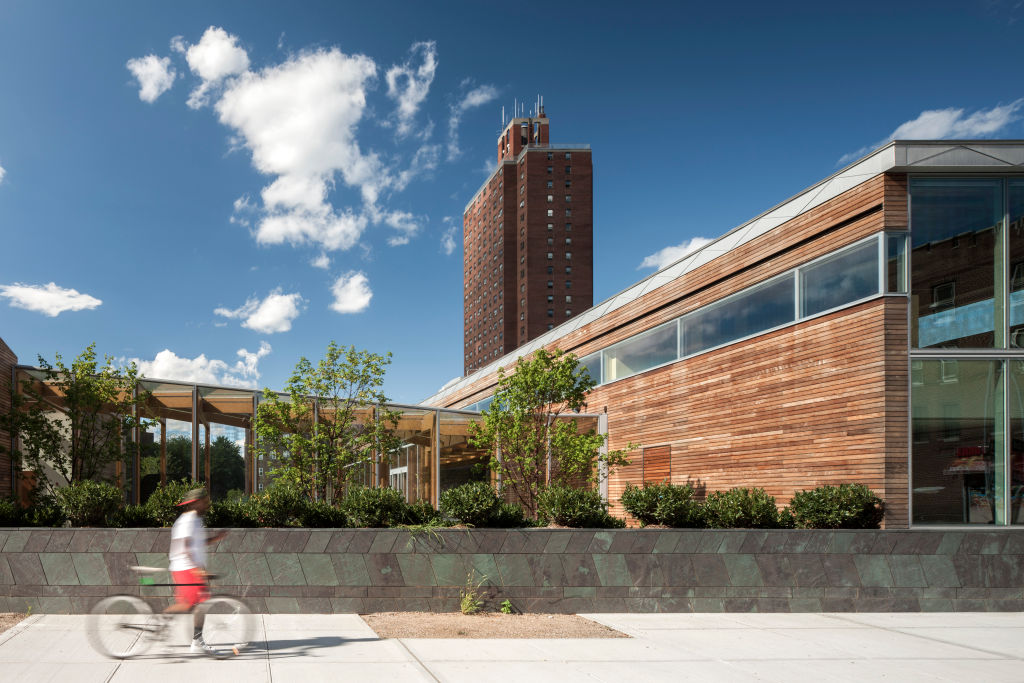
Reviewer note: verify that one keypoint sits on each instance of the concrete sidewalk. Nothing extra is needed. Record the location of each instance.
(664, 647)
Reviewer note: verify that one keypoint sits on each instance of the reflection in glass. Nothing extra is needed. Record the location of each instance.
(958, 446)
(229, 414)
(460, 463)
(1015, 235)
(843, 278)
(896, 262)
(956, 262)
(745, 314)
(641, 352)
(411, 468)
(1016, 388)
(593, 365)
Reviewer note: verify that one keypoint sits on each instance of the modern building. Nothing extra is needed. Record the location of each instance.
(868, 330)
(435, 454)
(527, 242)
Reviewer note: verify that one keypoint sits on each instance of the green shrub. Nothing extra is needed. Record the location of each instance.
(163, 502)
(847, 506)
(133, 516)
(11, 513)
(580, 508)
(89, 503)
(666, 504)
(474, 503)
(236, 513)
(280, 505)
(43, 511)
(509, 516)
(375, 508)
(741, 508)
(320, 514)
(422, 513)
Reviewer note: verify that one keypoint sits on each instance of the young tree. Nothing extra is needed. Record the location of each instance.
(76, 421)
(334, 418)
(535, 442)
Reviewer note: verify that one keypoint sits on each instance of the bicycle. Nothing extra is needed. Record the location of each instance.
(124, 626)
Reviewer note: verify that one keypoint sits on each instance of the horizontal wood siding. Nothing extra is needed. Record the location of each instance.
(791, 410)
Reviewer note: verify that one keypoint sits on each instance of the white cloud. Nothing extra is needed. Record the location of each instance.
(448, 238)
(669, 255)
(404, 222)
(940, 124)
(476, 97)
(2, 174)
(299, 120)
(154, 74)
(215, 57)
(273, 314)
(322, 261)
(168, 365)
(351, 293)
(48, 299)
(408, 85)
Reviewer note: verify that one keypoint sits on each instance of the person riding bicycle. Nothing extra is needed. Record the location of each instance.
(188, 563)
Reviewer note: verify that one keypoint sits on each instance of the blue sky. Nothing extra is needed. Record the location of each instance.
(217, 188)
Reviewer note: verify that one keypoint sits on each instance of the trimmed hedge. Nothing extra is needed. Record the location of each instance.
(474, 504)
(89, 503)
(741, 508)
(665, 504)
(580, 508)
(847, 506)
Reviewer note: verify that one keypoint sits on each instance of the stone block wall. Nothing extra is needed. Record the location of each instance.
(538, 570)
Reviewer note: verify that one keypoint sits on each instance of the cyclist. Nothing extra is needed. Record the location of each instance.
(188, 563)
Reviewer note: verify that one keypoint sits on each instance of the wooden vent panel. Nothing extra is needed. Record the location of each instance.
(657, 464)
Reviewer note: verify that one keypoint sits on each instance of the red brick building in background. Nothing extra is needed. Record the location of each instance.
(528, 246)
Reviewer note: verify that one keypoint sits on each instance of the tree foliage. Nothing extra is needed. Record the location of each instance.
(530, 432)
(334, 418)
(76, 421)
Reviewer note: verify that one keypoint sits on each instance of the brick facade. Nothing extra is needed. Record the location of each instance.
(512, 291)
(7, 362)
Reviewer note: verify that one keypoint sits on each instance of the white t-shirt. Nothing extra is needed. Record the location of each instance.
(188, 526)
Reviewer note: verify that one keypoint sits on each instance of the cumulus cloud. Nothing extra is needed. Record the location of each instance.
(669, 255)
(351, 293)
(476, 97)
(273, 314)
(216, 56)
(408, 85)
(243, 373)
(2, 174)
(154, 74)
(48, 299)
(322, 261)
(448, 238)
(940, 124)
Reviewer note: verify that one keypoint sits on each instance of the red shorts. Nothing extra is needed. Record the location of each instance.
(190, 595)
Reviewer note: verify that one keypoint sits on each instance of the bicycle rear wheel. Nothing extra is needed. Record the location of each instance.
(229, 625)
(121, 626)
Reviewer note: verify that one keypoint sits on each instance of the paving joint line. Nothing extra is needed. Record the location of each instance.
(266, 648)
(891, 629)
(418, 660)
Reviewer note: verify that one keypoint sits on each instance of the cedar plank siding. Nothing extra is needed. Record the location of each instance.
(824, 401)
(7, 362)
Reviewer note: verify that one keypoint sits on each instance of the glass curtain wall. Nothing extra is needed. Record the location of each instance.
(412, 468)
(967, 350)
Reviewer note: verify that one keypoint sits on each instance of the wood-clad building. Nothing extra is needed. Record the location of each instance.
(829, 340)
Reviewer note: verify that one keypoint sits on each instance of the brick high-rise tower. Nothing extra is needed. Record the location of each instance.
(528, 242)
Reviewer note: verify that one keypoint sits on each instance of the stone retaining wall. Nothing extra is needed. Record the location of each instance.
(539, 570)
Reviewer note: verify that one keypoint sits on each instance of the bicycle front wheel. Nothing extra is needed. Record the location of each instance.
(229, 626)
(121, 626)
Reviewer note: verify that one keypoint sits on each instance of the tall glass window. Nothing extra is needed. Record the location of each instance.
(848, 276)
(958, 446)
(1015, 476)
(956, 263)
(642, 352)
(747, 313)
(1015, 248)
